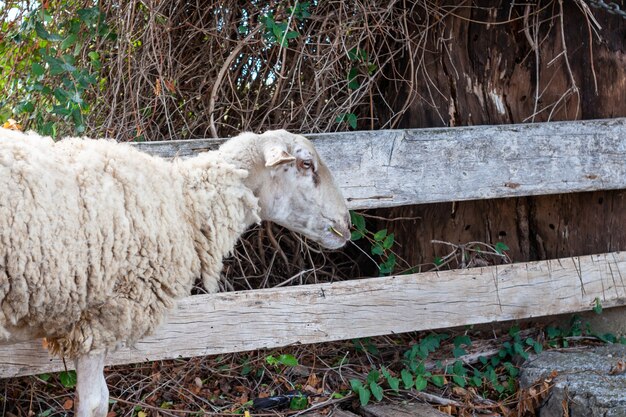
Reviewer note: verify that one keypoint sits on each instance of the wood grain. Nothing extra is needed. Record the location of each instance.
(240, 321)
(401, 167)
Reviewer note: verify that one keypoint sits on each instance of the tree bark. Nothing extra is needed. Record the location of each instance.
(548, 62)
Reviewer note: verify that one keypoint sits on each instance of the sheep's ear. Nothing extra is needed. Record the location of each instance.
(276, 155)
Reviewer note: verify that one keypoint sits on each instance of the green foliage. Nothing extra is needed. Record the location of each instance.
(597, 307)
(496, 375)
(500, 247)
(283, 359)
(371, 387)
(45, 377)
(349, 118)
(365, 344)
(381, 243)
(361, 390)
(68, 379)
(280, 32)
(48, 79)
(299, 402)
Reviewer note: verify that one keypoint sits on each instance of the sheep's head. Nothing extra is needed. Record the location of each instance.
(294, 187)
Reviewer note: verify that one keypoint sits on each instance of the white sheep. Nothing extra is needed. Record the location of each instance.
(98, 240)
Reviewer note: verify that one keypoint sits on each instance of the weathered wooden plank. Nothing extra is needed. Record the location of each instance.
(401, 167)
(240, 321)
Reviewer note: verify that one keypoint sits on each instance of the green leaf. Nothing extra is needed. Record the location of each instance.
(355, 384)
(420, 383)
(166, 405)
(519, 349)
(462, 340)
(61, 111)
(514, 331)
(44, 34)
(299, 403)
(388, 266)
(25, 107)
(45, 413)
(438, 380)
(68, 42)
(292, 34)
(377, 249)
(500, 247)
(407, 378)
(45, 377)
(356, 235)
(376, 390)
(353, 54)
(89, 16)
(537, 347)
(511, 369)
(459, 380)
(476, 381)
(68, 379)
(242, 29)
(364, 396)
(37, 69)
(287, 360)
(394, 383)
(380, 235)
(388, 242)
(458, 352)
(597, 308)
(353, 84)
(352, 120)
(357, 220)
(553, 332)
(459, 369)
(372, 376)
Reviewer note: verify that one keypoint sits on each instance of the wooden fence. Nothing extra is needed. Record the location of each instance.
(392, 168)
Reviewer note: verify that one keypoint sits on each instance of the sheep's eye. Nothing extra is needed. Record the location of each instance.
(305, 164)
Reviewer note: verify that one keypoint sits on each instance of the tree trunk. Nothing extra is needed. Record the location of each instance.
(549, 61)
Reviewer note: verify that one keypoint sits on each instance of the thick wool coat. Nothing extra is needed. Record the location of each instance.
(98, 240)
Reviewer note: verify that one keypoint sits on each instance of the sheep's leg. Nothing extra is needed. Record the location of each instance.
(92, 394)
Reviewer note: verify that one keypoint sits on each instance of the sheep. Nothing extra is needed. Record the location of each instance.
(98, 240)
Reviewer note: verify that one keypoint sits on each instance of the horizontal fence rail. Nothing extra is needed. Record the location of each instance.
(391, 168)
(247, 320)
(400, 167)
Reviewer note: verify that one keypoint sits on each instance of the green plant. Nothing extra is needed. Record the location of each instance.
(49, 72)
(597, 306)
(371, 387)
(280, 31)
(365, 345)
(68, 379)
(283, 359)
(381, 243)
(300, 402)
(349, 118)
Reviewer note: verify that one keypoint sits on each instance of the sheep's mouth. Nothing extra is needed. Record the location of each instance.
(332, 238)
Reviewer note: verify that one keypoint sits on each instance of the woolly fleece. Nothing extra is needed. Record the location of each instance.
(98, 240)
